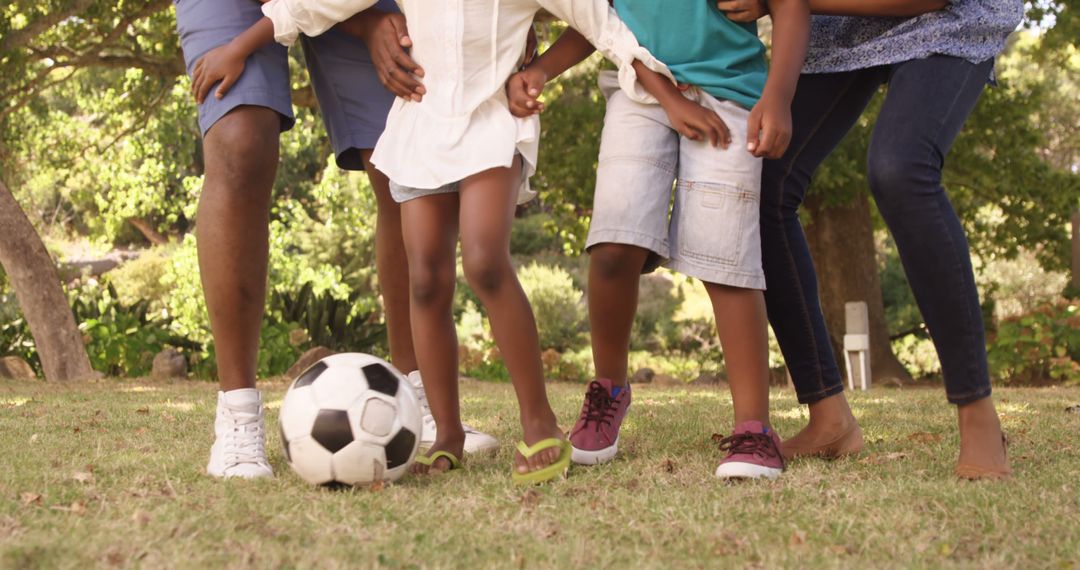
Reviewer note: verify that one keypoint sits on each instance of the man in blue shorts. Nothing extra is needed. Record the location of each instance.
(240, 152)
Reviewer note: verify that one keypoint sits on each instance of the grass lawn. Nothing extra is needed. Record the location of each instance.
(111, 474)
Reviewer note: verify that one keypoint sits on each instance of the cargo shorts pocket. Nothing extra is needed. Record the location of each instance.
(711, 221)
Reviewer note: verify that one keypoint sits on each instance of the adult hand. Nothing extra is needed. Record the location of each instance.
(768, 130)
(743, 10)
(387, 37)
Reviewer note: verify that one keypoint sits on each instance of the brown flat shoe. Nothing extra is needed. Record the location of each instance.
(969, 472)
(850, 442)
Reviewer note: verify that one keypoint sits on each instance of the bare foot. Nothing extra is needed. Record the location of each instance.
(536, 430)
(832, 432)
(982, 443)
(453, 444)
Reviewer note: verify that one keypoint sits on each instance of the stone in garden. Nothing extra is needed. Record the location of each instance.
(15, 368)
(168, 365)
(665, 380)
(643, 376)
(707, 379)
(310, 357)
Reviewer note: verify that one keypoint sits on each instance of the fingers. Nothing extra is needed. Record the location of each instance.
(401, 29)
(225, 85)
(721, 128)
(767, 145)
(753, 131)
(203, 86)
(742, 16)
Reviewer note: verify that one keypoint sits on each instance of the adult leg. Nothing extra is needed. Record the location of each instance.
(430, 229)
(926, 106)
(392, 269)
(488, 200)
(241, 154)
(825, 108)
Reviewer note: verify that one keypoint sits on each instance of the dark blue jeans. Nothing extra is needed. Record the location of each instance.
(927, 102)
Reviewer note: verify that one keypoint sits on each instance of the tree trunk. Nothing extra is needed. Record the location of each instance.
(842, 242)
(41, 298)
(1076, 252)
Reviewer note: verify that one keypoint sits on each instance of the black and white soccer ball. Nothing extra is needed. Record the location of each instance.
(350, 419)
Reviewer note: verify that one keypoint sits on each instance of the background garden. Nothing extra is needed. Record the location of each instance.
(100, 148)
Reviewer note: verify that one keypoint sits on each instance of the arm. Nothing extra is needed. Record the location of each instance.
(597, 21)
(769, 126)
(523, 88)
(689, 118)
(752, 10)
(312, 17)
(386, 36)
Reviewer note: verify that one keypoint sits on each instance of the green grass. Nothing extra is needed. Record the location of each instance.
(110, 474)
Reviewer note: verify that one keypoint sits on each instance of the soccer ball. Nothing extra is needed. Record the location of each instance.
(350, 419)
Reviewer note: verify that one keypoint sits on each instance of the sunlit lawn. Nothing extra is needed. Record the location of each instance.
(111, 474)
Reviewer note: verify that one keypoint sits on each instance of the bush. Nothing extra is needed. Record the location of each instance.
(121, 339)
(557, 304)
(533, 234)
(654, 324)
(1039, 346)
(141, 279)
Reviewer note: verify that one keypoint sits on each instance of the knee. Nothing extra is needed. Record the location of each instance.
(487, 271)
(610, 261)
(244, 143)
(431, 284)
(893, 173)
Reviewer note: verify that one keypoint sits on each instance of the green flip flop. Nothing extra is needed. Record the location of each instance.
(548, 473)
(428, 460)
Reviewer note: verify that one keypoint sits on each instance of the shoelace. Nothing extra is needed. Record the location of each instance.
(244, 442)
(599, 406)
(758, 444)
(421, 396)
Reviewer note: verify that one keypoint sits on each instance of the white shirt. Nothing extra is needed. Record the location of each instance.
(468, 49)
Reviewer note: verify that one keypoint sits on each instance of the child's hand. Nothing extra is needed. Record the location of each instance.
(224, 64)
(523, 91)
(696, 122)
(743, 10)
(768, 131)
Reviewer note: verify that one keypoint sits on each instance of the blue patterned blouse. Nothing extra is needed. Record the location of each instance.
(974, 30)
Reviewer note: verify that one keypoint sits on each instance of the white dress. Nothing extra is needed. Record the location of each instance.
(468, 49)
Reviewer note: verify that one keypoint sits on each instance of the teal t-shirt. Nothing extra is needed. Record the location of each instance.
(700, 46)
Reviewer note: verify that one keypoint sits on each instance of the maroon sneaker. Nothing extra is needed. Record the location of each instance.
(753, 451)
(595, 437)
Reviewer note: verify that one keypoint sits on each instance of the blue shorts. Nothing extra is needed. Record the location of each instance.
(354, 104)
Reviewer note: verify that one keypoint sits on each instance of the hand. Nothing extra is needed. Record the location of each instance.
(387, 37)
(768, 131)
(696, 122)
(523, 90)
(743, 10)
(223, 63)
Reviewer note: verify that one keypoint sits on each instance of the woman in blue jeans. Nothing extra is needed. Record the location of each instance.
(935, 57)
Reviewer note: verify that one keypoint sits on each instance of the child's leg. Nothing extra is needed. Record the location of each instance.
(393, 274)
(488, 200)
(742, 326)
(429, 224)
(614, 275)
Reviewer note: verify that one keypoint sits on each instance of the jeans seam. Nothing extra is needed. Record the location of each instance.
(806, 320)
(957, 263)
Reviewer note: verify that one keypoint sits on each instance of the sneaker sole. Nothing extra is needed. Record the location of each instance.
(587, 457)
(740, 470)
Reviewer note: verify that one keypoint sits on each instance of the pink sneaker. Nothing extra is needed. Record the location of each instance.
(595, 437)
(753, 451)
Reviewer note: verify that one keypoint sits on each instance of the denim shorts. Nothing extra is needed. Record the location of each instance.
(710, 229)
(354, 104)
(401, 193)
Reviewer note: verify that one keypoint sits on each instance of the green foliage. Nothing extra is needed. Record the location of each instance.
(15, 339)
(534, 234)
(333, 323)
(1043, 344)
(121, 340)
(557, 304)
(141, 279)
(655, 327)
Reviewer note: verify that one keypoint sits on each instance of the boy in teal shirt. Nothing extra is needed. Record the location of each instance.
(712, 232)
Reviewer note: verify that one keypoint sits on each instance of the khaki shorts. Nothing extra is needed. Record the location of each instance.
(710, 230)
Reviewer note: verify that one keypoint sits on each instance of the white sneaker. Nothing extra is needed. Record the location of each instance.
(475, 441)
(240, 447)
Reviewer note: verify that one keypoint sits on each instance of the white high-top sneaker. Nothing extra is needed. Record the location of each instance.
(240, 447)
(475, 441)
